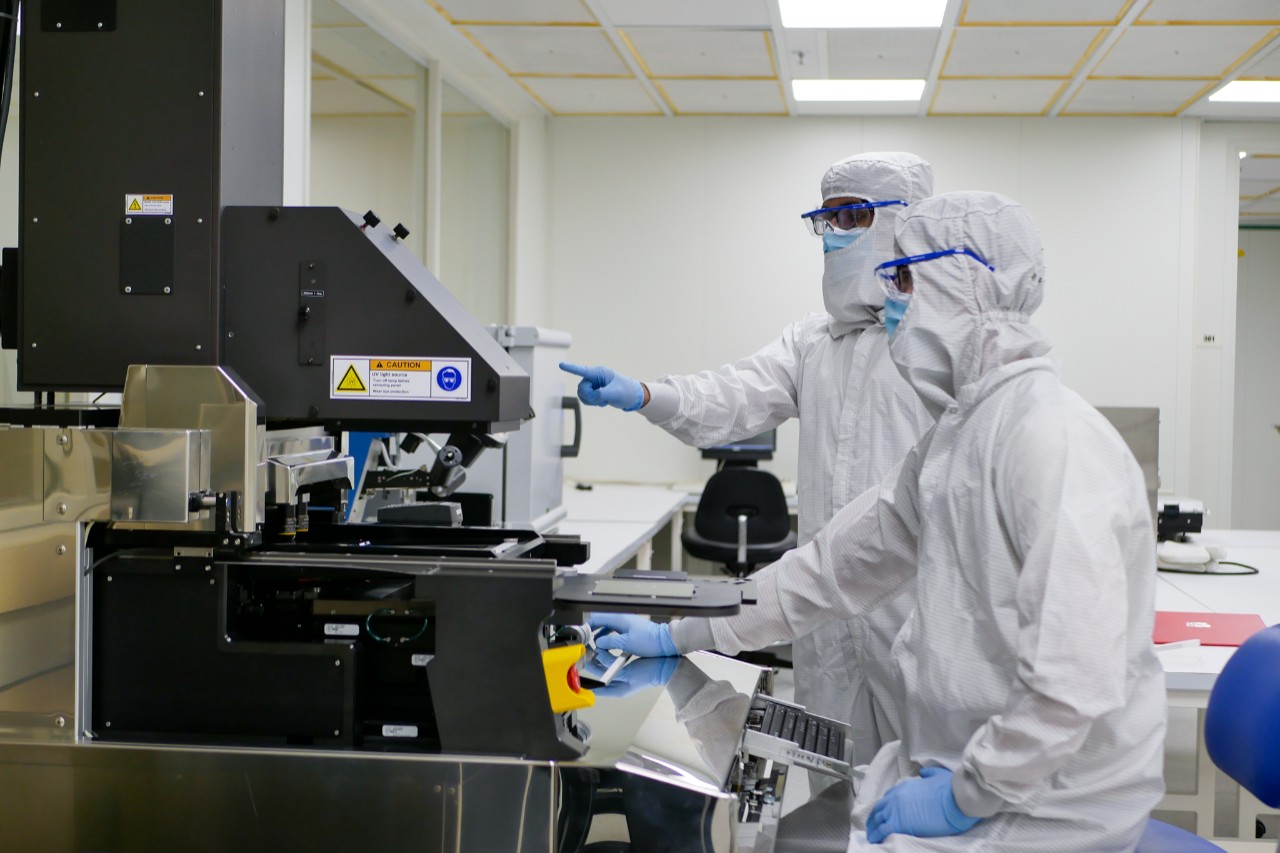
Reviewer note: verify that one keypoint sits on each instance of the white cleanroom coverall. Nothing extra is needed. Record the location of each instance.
(1028, 664)
(858, 418)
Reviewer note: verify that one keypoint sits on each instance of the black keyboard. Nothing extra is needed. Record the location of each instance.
(812, 734)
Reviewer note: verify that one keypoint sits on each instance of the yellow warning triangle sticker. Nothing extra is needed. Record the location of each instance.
(351, 380)
(133, 205)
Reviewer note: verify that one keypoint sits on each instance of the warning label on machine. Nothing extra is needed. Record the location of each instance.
(362, 377)
(148, 204)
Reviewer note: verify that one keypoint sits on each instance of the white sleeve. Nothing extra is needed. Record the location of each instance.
(863, 557)
(1068, 513)
(739, 400)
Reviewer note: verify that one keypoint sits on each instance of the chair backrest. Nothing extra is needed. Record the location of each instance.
(1242, 721)
(740, 490)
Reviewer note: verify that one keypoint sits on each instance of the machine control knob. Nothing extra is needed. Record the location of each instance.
(371, 220)
(400, 231)
(304, 313)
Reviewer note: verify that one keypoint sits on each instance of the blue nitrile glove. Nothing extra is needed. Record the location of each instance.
(641, 673)
(923, 807)
(600, 386)
(632, 634)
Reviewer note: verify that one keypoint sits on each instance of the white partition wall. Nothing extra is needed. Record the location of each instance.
(676, 245)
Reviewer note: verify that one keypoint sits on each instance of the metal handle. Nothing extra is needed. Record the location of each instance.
(742, 540)
(570, 451)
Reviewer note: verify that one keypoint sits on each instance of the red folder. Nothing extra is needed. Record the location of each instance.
(1211, 629)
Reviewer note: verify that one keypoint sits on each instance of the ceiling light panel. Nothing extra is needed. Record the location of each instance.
(577, 96)
(863, 54)
(750, 14)
(327, 13)
(517, 11)
(1248, 91)
(831, 14)
(362, 52)
(857, 90)
(551, 50)
(1252, 11)
(994, 97)
(1178, 51)
(1144, 97)
(738, 97)
(1042, 11)
(702, 53)
(1017, 51)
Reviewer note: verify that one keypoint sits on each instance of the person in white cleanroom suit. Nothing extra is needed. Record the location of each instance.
(857, 419)
(1035, 706)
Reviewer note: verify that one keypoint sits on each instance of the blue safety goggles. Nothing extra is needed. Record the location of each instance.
(895, 275)
(846, 217)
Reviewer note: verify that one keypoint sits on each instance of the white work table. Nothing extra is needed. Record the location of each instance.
(1191, 672)
(620, 522)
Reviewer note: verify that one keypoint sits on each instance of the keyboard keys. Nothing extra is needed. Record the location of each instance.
(769, 713)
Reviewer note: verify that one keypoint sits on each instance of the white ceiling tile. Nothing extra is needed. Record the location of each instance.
(551, 50)
(1017, 51)
(361, 51)
(327, 13)
(579, 96)
(345, 97)
(799, 51)
(1132, 96)
(687, 13)
(1244, 11)
(880, 54)
(1004, 97)
(1254, 190)
(1040, 11)
(1204, 108)
(755, 97)
(517, 11)
(1178, 51)
(454, 103)
(703, 53)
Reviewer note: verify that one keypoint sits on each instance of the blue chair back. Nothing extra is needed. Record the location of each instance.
(1242, 722)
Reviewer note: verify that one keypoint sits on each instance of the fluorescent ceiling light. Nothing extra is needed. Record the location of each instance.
(1244, 154)
(1249, 91)
(857, 90)
(841, 14)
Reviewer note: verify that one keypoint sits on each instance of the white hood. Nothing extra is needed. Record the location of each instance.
(964, 320)
(849, 289)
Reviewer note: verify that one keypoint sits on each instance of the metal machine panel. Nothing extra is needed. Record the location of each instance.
(198, 128)
(156, 800)
(381, 303)
(153, 471)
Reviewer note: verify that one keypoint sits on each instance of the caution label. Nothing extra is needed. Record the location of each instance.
(361, 377)
(148, 204)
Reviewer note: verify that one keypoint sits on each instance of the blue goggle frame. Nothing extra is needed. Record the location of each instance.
(818, 223)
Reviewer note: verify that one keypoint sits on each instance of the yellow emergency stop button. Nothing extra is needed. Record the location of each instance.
(560, 665)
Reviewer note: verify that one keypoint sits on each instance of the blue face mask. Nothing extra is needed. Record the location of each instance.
(834, 241)
(894, 311)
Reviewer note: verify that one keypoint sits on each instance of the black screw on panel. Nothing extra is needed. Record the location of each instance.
(410, 295)
(313, 412)
(273, 214)
(492, 384)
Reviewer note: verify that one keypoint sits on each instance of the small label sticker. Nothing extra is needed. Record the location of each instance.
(341, 629)
(148, 204)
(420, 660)
(399, 731)
(400, 378)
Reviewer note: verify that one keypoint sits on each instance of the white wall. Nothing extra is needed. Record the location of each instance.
(1213, 310)
(364, 163)
(1256, 483)
(676, 245)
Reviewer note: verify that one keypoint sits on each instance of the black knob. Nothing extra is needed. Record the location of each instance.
(371, 220)
(400, 231)
(304, 311)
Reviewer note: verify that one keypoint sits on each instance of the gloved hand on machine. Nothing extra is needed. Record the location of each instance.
(639, 674)
(632, 634)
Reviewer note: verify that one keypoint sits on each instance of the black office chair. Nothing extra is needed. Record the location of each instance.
(741, 521)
